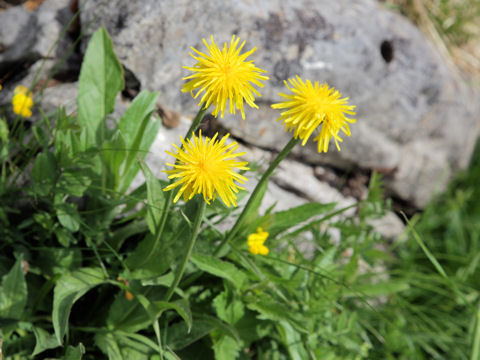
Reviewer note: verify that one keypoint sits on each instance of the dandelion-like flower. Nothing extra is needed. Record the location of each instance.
(224, 75)
(256, 242)
(206, 166)
(311, 106)
(22, 101)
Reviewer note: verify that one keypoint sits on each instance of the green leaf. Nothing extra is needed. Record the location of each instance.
(180, 306)
(178, 337)
(171, 245)
(292, 341)
(283, 220)
(226, 347)
(44, 341)
(155, 198)
(225, 270)
(13, 293)
(139, 129)
(229, 310)
(68, 216)
(113, 156)
(158, 262)
(70, 288)
(75, 353)
(53, 260)
(74, 182)
(100, 80)
(108, 345)
(44, 173)
(40, 135)
(276, 311)
(127, 315)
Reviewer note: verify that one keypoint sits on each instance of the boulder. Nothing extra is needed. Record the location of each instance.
(36, 44)
(416, 119)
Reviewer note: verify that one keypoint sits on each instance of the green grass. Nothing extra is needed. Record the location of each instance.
(437, 317)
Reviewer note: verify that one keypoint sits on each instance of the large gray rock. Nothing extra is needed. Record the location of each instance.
(415, 119)
(33, 44)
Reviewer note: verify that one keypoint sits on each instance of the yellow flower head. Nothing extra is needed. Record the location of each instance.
(311, 105)
(206, 166)
(224, 74)
(22, 101)
(255, 242)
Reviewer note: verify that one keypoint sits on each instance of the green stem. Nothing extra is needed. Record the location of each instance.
(193, 236)
(286, 150)
(168, 197)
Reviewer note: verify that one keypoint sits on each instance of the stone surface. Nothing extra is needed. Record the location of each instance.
(411, 108)
(31, 45)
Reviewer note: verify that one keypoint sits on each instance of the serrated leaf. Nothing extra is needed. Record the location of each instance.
(70, 288)
(13, 293)
(100, 80)
(217, 267)
(226, 347)
(229, 310)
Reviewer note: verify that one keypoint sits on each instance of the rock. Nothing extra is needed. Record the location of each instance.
(28, 45)
(410, 106)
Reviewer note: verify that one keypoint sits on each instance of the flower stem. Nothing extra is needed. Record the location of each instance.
(193, 236)
(256, 192)
(168, 197)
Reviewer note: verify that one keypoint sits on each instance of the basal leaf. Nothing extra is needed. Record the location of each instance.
(100, 80)
(70, 288)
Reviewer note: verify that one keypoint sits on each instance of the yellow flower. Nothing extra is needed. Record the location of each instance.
(224, 74)
(311, 106)
(255, 242)
(22, 101)
(206, 166)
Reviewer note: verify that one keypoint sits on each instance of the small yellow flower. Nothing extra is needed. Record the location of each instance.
(224, 74)
(22, 101)
(206, 166)
(255, 242)
(311, 106)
